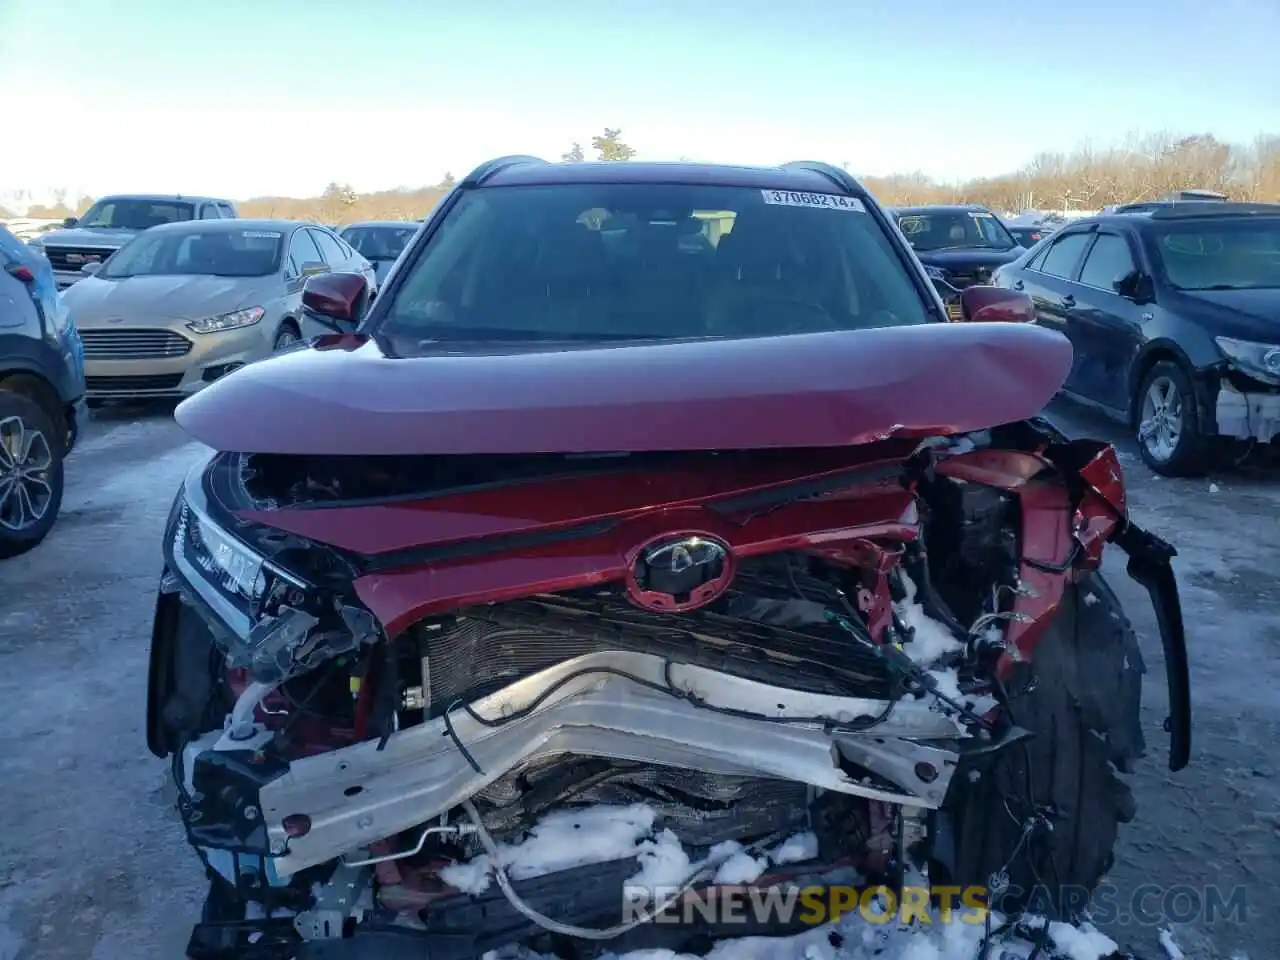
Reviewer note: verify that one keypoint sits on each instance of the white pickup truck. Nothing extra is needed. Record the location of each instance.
(112, 222)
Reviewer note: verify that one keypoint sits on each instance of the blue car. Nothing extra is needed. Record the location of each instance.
(42, 387)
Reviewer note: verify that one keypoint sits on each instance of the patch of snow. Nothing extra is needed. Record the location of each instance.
(663, 862)
(931, 640)
(803, 846)
(1081, 943)
(1168, 946)
(561, 840)
(1213, 488)
(741, 868)
(1090, 599)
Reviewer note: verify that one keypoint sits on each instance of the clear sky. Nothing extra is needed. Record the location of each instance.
(251, 97)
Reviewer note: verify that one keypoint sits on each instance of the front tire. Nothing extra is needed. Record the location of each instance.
(286, 337)
(1171, 437)
(31, 474)
(1079, 696)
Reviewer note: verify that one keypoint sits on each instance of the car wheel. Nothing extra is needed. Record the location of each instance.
(1079, 697)
(30, 474)
(1171, 438)
(286, 337)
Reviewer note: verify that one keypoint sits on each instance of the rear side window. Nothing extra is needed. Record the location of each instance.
(228, 212)
(330, 248)
(1063, 255)
(302, 251)
(654, 261)
(1109, 260)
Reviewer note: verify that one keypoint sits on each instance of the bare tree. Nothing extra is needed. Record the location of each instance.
(1139, 166)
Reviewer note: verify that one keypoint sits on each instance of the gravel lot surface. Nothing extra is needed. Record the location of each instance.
(92, 861)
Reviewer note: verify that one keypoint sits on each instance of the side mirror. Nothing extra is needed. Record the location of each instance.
(1135, 286)
(984, 304)
(314, 268)
(92, 267)
(70, 221)
(335, 299)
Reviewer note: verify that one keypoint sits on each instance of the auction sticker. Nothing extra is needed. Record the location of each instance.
(824, 201)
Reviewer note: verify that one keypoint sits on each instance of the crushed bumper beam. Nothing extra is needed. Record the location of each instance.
(608, 705)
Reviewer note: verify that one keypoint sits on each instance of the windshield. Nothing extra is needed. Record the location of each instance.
(652, 261)
(955, 230)
(194, 252)
(379, 243)
(123, 213)
(1221, 255)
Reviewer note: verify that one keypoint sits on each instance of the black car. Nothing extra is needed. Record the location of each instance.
(1173, 317)
(959, 245)
(380, 242)
(41, 395)
(1028, 235)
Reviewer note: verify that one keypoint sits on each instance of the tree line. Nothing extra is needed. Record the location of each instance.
(1142, 167)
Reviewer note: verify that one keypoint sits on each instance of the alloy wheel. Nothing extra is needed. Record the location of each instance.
(286, 338)
(26, 462)
(1161, 424)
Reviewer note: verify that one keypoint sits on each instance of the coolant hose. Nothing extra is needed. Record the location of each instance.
(565, 929)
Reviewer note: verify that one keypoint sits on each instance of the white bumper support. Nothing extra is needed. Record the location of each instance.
(357, 795)
(1248, 416)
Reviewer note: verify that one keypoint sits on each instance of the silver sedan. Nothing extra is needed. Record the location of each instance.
(184, 304)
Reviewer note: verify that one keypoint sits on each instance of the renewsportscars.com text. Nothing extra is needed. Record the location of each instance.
(1147, 904)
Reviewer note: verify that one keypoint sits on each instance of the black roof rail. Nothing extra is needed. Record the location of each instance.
(487, 169)
(837, 175)
(1189, 209)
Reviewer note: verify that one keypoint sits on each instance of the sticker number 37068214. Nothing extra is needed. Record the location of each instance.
(825, 201)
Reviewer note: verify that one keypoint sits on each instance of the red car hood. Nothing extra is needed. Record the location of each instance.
(349, 395)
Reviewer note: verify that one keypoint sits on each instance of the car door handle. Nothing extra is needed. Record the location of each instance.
(1068, 301)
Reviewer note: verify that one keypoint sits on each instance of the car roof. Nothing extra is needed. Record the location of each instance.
(1198, 209)
(1190, 210)
(230, 225)
(940, 208)
(183, 197)
(530, 171)
(382, 223)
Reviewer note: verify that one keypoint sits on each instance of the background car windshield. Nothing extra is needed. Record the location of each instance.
(945, 230)
(648, 261)
(135, 214)
(216, 253)
(379, 243)
(1222, 255)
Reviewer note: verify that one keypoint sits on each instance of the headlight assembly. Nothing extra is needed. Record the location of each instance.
(1259, 360)
(227, 321)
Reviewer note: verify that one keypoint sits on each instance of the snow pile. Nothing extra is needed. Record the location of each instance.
(565, 839)
(930, 643)
(931, 640)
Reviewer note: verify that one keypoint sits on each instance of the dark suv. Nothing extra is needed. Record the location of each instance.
(41, 395)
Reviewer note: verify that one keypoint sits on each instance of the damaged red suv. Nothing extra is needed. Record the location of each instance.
(657, 507)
